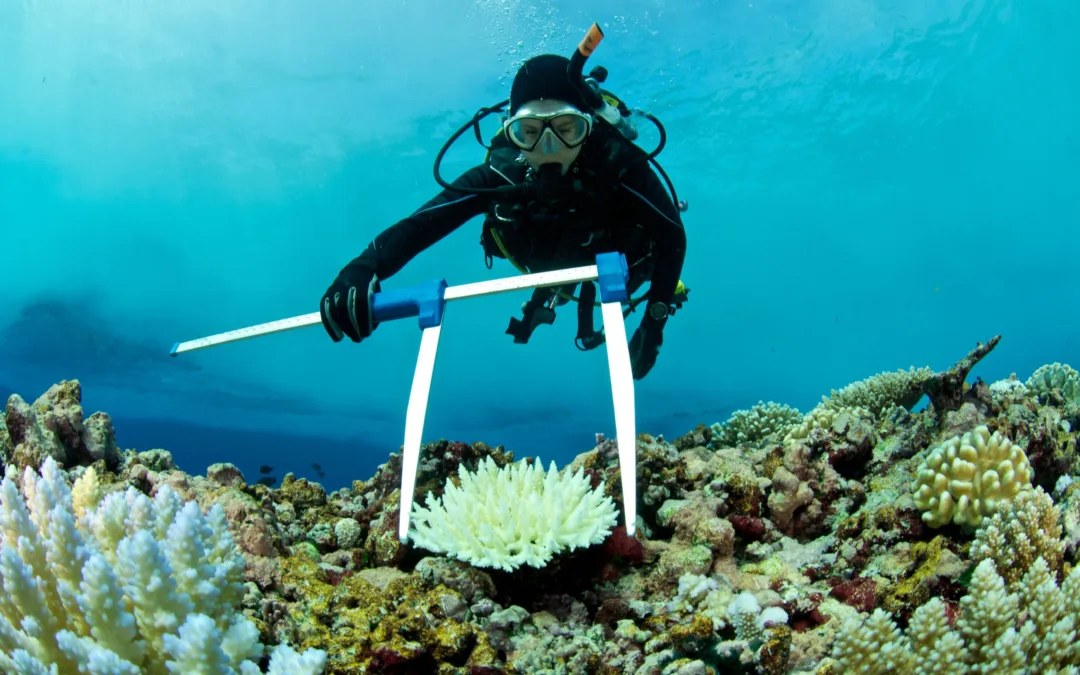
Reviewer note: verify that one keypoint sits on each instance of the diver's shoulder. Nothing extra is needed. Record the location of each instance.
(615, 151)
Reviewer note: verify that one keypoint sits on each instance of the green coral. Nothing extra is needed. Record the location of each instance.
(1055, 378)
(881, 392)
(760, 422)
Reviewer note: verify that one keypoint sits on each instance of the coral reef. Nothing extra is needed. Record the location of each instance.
(759, 423)
(864, 536)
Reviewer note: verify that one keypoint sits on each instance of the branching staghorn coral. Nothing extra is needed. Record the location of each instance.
(1027, 528)
(1029, 629)
(122, 585)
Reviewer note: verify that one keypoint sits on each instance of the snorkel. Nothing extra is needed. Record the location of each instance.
(589, 88)
(593, 37)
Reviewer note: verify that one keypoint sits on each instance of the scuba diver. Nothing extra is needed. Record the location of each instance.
(562, 182)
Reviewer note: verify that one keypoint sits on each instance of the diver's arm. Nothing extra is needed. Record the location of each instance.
(653, 209)
(438, 217)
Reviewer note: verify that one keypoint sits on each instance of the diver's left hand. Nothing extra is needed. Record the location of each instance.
(645, 345)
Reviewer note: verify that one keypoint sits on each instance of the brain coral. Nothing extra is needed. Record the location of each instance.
(966, 478)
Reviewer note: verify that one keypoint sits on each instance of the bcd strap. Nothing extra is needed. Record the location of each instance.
(535, 312)
(587, 338)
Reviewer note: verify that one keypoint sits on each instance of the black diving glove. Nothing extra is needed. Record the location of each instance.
(345, 308)
(645, 345)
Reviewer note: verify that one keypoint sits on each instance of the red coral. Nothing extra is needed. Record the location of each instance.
(910, 524)
(748, 527)
(859, 593)
(816, 573)
(596, 479)
(456, 452)
(952, 612)
(335, 577)
(386, 659)
(609, 572)
(629, 549)
(805, 614)
(802, 622)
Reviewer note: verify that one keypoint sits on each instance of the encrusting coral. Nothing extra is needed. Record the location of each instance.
(775, 543)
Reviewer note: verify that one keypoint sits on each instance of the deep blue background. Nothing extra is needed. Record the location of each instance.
(872, 185)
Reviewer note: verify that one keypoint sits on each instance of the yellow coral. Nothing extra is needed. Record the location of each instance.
(966, 478)
(1027, 632)
(86, 492)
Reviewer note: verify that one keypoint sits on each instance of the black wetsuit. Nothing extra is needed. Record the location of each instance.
(621, 206)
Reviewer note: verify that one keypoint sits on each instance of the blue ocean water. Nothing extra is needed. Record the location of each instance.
(872, 185)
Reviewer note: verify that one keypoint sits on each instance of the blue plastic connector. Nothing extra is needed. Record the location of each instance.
(612, 277)
(426, 301)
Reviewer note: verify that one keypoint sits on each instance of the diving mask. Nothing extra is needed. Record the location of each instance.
(531, 129)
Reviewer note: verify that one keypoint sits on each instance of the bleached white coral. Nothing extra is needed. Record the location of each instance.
(1008, 390)
(746, 427)
(133, 585)
(701, 594)
(749, 619)
(504, 518)
(966, 478)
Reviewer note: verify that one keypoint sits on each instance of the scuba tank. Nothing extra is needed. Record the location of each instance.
(614, 111)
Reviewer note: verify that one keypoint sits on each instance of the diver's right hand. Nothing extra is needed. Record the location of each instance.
(346, 306)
